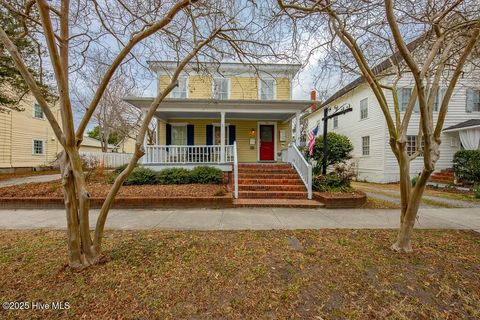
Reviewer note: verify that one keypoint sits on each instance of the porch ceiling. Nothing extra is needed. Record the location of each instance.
(234, 109)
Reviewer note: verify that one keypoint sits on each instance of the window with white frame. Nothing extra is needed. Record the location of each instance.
(38, 147)
(473, 100)
(364, 109)
(217, 134)
(180, 91)
(37, 111)
(439, 98)
(412, 145)
(179, 135)
(335, 122)
(366, 146)
(404, 95)
(267, 89)
(220, 88)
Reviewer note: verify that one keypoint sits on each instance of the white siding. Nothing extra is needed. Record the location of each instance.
(369, 167)
(381, 165)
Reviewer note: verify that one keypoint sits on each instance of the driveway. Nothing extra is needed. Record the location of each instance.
(23, 180)
(249, 219)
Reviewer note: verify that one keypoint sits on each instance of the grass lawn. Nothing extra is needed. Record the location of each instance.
(324, 274)
(7, 176)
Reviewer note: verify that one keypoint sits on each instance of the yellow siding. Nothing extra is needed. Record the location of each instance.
(199, 87)
(163, 82)
(246, 152)
(161, 127)
(244, 88)
(18, 129)
(283, 89)
(90, 149)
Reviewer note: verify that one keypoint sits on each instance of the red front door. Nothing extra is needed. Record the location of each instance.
(267, 143)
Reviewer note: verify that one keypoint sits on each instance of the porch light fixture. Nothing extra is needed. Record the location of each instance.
(252, 133)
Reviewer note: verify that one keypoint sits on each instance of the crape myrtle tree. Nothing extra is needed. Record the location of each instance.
(187, 31)
(435, 42)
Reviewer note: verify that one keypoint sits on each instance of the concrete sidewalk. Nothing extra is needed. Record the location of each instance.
(251, 218)
(30, 179)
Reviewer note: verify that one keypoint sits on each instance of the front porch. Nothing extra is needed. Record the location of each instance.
(224, 134)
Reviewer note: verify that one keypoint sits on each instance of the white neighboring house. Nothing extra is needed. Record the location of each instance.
(366, 127)
(93, 145)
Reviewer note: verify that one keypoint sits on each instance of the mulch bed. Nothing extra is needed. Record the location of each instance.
(307, 274)
(354, 199)
(97, 189)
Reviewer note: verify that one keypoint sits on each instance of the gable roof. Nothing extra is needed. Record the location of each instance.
(379, 68)
(464, 125)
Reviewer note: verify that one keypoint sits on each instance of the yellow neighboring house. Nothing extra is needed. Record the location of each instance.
(26, 138)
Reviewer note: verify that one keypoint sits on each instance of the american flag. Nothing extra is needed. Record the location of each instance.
(311, 140)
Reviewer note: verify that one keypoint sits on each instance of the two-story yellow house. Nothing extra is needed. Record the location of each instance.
(229, 113)
(26, 138)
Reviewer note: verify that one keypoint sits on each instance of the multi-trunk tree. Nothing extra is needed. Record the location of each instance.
(188, 31)
(432, 41)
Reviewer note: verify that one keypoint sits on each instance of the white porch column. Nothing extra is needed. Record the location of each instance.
(222, 137)
(144, 158)
(297, 129)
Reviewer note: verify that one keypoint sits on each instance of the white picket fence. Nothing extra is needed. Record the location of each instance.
(109, 160)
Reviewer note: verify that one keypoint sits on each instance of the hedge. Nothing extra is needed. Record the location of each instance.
(466, 165)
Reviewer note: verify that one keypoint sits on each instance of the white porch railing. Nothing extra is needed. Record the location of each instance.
(304, 169)
(161, 154)
(235, 170)
(108, 159)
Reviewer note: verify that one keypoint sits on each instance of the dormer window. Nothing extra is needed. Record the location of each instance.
(37, 111)
(220, 88)
(180, 91)
(267, 89)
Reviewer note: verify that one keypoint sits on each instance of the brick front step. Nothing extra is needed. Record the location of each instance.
(268, 171)
(271, 181)
(272, 194)
(277, 203)
(444, 181)
(263, 166)
(267, 176)
(278, 188)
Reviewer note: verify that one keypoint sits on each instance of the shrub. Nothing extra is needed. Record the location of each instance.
(174, 176)
(466, 165)
(119, 169)
(141, 176)
(414, 181)
(205, 175)
(339, 150)
(477, 192)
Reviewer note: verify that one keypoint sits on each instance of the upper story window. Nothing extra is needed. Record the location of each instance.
(220, 88)
(180, 91)
(267, 89)
(37, 111)
(364, 109)
(404, 95)
(473, 100)
(335, 122)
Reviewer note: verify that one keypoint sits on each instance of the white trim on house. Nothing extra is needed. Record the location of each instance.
(275, 156)
(43, 147)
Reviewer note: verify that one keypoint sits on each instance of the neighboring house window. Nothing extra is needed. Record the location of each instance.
(180, 91)
(220, 88)
(179, 135)
(364, 109)
(412, 145)
(473, 100)
(366, 146)
(217, 136)
(37, 111)
(404, 95)
(267, 89)
(335, 122)
(38, 147)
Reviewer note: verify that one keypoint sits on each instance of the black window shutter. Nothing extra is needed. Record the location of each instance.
(231, 134)
(209, 134)
(168, 134)
(190, 135)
